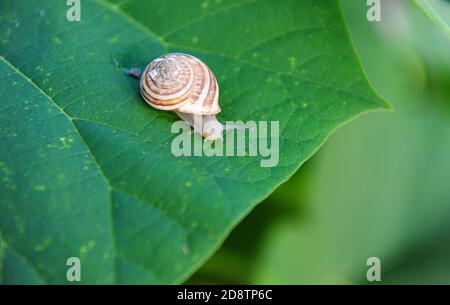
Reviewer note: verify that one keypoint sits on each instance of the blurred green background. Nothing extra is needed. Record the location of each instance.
(380, 186)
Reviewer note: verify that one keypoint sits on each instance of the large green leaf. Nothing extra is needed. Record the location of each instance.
(438, 11)
(86, 167)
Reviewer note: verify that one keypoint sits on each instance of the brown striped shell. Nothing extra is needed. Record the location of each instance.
(180, 82)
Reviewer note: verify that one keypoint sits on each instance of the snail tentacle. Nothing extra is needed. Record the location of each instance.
(134, 72)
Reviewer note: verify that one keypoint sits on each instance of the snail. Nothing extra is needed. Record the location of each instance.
(184, 84)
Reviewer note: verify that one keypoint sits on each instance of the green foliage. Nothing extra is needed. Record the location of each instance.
(85, 165)
(380, 187)
(438, 11)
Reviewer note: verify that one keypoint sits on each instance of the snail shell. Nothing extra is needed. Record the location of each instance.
(180, 82)
(184, 84)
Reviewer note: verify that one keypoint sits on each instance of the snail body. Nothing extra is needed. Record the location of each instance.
(184, 84)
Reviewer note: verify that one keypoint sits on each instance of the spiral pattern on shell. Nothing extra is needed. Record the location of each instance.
(180, 82)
